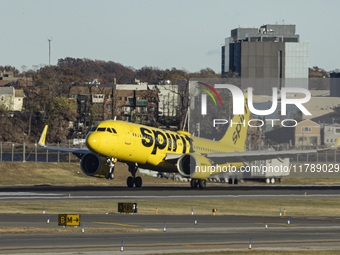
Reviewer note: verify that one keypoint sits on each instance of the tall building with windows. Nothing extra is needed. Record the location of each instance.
(272, 52)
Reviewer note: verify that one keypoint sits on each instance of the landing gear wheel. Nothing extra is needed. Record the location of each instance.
(129, 181)
(202, 184)
(138, 182)
(109, 175)
(193, 183)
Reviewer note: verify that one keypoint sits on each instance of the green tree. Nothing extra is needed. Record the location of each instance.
(95, 114)
(60, 112)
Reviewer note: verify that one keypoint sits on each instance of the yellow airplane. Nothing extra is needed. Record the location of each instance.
(151, 148)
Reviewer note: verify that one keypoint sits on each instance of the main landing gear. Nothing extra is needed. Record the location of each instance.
(194, 183)
(133, 180)
(111, 163)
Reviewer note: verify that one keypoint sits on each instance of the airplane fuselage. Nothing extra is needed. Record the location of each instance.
(147, 146)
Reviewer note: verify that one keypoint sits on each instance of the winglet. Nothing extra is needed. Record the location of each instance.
(337, 143)
(43, 137)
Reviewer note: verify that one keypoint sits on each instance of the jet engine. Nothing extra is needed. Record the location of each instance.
(94, 165)
(195, 166)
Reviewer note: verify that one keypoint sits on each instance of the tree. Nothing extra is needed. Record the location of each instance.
(60, 112)
(95, 114)
(148, 74)
(31, 106)
(106, 72)
(317, 79)
(57, 81)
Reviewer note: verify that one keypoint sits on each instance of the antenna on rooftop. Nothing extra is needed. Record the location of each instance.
(49, 51)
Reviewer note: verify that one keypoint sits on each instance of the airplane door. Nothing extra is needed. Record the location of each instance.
(127, 136)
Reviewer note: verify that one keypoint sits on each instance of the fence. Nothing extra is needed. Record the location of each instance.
(326, 156)
(34, 153)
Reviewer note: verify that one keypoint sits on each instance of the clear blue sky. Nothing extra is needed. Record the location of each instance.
(186, 34)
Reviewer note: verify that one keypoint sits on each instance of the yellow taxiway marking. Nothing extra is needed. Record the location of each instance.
(280, 224)
(212, 247)
(117, 224)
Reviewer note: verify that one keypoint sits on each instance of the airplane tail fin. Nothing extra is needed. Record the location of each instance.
(42, 141)
(236, 133)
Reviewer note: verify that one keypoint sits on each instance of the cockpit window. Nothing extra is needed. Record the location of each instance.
(95, 127)
(111, 130)
(101, 129)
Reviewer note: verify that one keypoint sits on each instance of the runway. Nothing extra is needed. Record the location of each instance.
(166, 193)
(144, 234)
(211, 233)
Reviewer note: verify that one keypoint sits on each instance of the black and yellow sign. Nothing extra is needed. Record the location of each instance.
(69, 220)
(127, 207)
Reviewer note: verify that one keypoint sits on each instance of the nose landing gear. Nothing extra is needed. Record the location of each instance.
(111, 163)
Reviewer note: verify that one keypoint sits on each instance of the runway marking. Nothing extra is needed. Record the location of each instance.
(117, 224)
(211, 196)
(280, 224)
(27, 194)
(212, 247)
(61, 196)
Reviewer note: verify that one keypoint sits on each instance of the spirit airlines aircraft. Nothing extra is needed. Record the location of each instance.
(165, 151)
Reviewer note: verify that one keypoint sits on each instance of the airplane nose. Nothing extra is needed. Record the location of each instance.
(94, 141)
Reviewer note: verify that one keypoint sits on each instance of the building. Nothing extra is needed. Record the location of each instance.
(272, 54)
(11, 98)
(167, 94)
(335, 84)
(320, 104)
(307, 133)
(104, 102)
(331, 134)
(139, 106)
(8, 78)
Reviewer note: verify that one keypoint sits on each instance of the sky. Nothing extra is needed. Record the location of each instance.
(185, 34)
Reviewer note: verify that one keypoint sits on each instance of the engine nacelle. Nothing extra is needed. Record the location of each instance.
(194, 166)
(94, 165)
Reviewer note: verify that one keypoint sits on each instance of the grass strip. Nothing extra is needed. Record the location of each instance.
(252, 207)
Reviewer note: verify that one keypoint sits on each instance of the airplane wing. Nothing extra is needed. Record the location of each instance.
(248, 156)
(76, 151)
